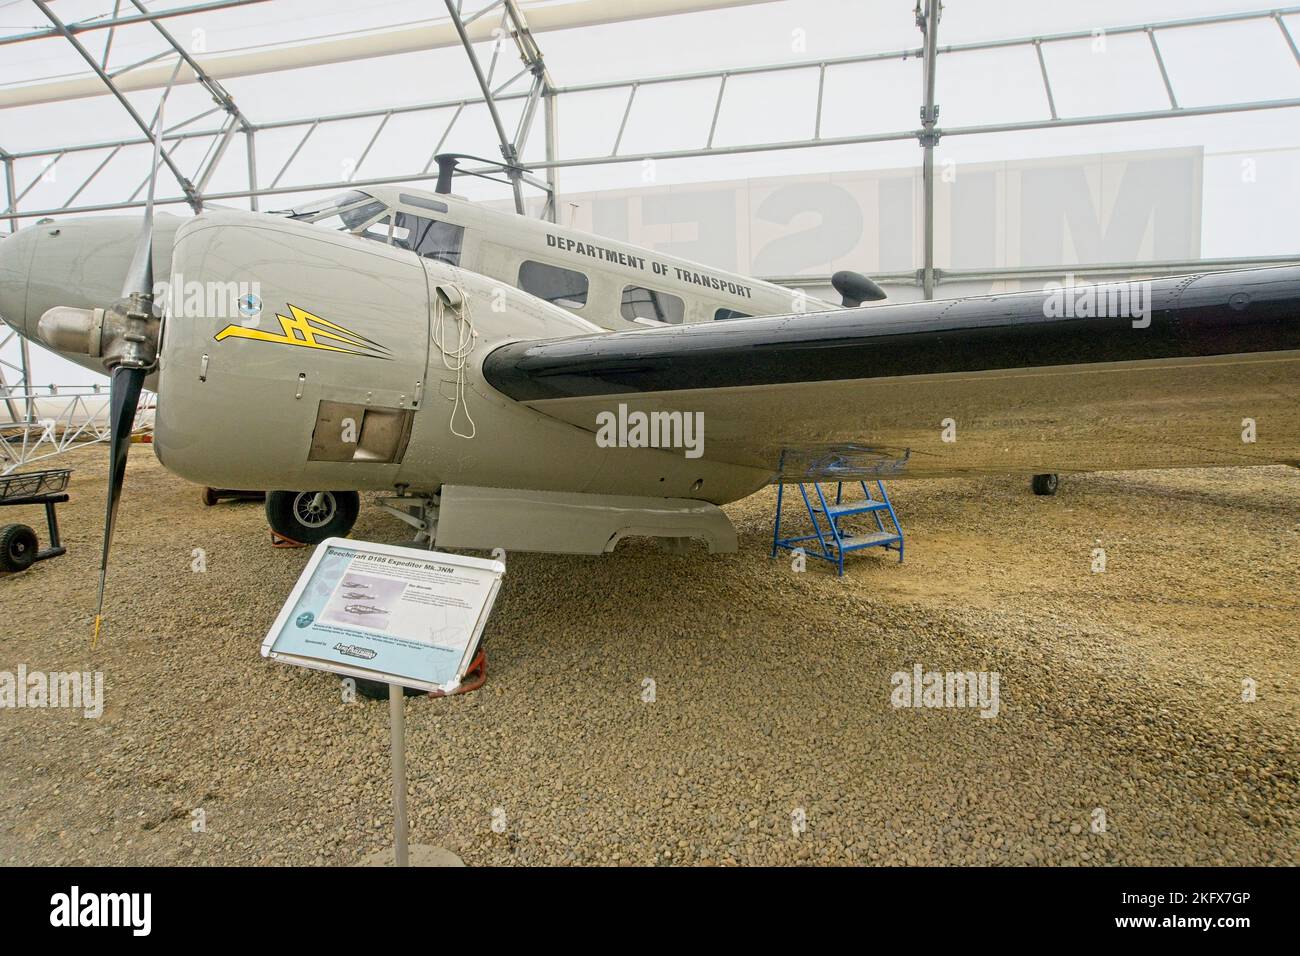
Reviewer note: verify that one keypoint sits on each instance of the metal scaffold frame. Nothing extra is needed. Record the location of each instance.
(14, 377)
(57, 418)
(540, 90)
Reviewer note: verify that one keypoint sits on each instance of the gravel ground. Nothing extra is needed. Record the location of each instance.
(1120, 692)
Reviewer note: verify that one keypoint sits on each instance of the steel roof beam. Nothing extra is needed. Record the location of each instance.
(191, 196)
(111, 24)
(543, 88)
(896, 136)
(910, 53)
(214, 88)
(405, 38)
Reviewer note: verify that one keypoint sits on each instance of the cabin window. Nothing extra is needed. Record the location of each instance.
(430, 238)
(563, 287)
(730, 314)
(642, 303)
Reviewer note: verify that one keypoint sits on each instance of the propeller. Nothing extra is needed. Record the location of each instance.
(124, 396)
(129, 356)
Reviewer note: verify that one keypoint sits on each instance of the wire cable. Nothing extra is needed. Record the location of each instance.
(456, 357)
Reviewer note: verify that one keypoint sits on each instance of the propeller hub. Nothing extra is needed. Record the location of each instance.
(68, 329)
(131, 333)
(125, 334)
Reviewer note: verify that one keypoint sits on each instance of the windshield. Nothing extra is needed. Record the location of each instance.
(351, 211)
(362, 215)
(321, 207)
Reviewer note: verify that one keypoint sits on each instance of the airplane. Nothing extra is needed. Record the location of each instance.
(510, 383)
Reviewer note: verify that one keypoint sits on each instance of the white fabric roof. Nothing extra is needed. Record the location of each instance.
(1214, 64)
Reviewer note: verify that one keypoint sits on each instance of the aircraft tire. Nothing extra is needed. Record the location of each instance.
(1045, 484)
(295, 514)
(18, 547)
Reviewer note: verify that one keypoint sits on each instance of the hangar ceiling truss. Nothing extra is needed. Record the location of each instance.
(531, 83)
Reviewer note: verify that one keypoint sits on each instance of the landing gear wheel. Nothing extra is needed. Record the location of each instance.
(1045, 484)
(17, 547)
(309, 517)
(210, 497)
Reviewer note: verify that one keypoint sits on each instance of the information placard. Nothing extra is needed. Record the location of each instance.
(400, 615)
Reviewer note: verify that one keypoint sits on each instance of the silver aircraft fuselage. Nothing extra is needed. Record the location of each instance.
(344, 328)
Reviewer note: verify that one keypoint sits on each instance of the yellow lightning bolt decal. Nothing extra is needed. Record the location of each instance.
(309, 331)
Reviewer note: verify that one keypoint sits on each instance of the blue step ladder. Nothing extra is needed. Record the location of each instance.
(833, 541)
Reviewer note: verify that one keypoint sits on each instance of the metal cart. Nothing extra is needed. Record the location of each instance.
(19, 548)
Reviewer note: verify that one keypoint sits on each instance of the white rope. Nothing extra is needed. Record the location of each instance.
(456, 358)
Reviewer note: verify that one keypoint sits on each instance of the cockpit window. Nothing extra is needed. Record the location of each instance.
(352, 219)
(430, 238)
(353, 211)
(381, 230)
(318, 209)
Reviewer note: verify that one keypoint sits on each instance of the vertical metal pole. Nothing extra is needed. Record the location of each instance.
(927, 187)
(9, 402)
(551, 118)
(24, 350)
(397, 733)
(11, 194)
(929, 23)
(249, 135)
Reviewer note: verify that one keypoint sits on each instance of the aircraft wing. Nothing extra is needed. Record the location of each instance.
(1183, 371)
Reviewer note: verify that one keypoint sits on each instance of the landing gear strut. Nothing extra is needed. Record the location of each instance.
(309, 517)
(1045, 484)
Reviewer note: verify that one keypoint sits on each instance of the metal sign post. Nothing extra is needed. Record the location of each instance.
(406, 617)
(397, 739)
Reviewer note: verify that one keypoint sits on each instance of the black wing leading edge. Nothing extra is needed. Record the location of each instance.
(1226, 313)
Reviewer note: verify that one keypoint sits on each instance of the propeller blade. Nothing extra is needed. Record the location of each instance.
(129, 369)
(124, 397)
(139, 276)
